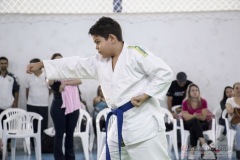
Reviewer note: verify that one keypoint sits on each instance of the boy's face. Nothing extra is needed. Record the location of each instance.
(103, 46)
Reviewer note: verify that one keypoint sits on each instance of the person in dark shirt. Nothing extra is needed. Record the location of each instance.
(177, 92)
(63, 122)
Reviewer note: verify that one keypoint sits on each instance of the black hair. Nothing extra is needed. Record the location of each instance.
(106, 26)
(4, 58)
(55, 55)
(224, 93)
(35, 60)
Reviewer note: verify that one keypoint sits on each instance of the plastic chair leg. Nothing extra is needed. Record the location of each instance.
(13, 148)
(85, 147)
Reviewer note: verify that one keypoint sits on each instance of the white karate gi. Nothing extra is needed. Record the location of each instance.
(136, 72)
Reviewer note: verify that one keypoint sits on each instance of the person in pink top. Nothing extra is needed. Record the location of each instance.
(194, 112)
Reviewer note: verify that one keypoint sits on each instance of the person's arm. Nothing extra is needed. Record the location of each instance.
(32, 67)
(203, 115)
(159, 73)
(15, 102)
(50, 82)
(187, 116)
(169, 103)
(68, 68)
(27, 93)
(229, 108)
(139, 100)
(70, 83)
(15, 93)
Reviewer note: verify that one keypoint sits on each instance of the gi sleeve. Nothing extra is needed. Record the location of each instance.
(71, 68)
(159, 73)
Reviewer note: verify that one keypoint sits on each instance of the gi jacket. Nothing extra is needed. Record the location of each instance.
(137, 71)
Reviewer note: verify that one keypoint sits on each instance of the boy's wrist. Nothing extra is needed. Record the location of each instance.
(146, 96)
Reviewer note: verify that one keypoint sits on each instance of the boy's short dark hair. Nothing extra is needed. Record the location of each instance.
(35, 60)
(106, 26)
(4, 58)
(55, 55)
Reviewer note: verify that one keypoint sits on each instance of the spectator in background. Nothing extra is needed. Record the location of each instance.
(99, 104)
(233, 109)
(194, 112)
(228, 93)
(37, 95)
(9, 90)
(177, 92)
(64, 115)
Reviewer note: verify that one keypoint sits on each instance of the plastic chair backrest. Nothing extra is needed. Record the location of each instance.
(103, 114)
(20, 125)
(83, 115)
(8, 113)
(21, 122)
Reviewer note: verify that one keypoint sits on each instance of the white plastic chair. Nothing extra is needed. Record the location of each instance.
(174, 109)
(101, 135)
(20, 125)
(172, 134)
(185, 134)
(84, 135)
(230, 134)
(219, 128)
(8, 113)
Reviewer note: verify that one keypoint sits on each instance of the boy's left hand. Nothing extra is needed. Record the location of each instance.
(139, 100)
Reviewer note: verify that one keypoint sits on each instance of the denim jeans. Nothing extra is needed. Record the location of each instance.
(237, 128)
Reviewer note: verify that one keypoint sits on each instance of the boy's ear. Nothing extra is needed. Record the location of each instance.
(112, 38)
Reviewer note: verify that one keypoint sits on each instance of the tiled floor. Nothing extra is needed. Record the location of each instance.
(20, 155)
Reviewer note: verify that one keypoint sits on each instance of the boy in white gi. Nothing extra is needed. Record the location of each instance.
(129, 76)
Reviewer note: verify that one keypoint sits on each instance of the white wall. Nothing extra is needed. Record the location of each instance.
(204, 45)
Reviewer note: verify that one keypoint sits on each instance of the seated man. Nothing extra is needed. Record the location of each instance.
(177, 92)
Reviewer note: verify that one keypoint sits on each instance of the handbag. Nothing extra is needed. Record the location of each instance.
(236, 116)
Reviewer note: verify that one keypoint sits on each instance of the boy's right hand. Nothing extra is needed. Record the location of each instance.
(32, 67)
(137, 101)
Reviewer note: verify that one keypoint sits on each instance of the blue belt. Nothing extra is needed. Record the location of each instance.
(119, 113)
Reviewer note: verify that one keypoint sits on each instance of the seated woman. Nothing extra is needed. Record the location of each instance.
(233, 109)
(228, 93)
(194, 112)
(99, 104)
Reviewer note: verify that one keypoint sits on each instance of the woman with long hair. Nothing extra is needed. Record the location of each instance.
(194, 115)
(64, 115)
(228, 93)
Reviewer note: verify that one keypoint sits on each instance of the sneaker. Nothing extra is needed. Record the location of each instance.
(191, 156)
(205, 147)
(221, 137)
